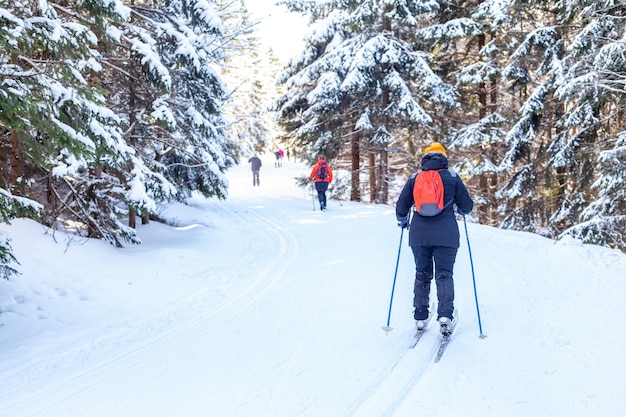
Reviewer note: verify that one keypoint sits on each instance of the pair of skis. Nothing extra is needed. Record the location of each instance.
(443, 343)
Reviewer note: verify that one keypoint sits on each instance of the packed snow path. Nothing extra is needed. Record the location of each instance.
(275, 309)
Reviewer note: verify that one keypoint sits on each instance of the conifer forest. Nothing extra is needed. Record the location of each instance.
(111, 108)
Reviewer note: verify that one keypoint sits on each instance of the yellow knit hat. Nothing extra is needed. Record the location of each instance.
(436, 147)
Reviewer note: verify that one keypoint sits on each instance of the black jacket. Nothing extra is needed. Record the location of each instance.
(442, 229)
(256, 163)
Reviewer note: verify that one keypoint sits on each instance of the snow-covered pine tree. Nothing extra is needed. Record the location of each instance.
(603, 221)
(64, 137)
(362, 86)
(135, 78)
(590, 153)
(534, 59)
(483, 116)
(188, 144)
(308, 109)
(165, 84)
(20, 113)
(465, 54)
(564, 65)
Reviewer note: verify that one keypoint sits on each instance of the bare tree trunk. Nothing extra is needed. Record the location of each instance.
(132, 221)
(132, 218)
(51, 197)
(384, 156)
(493, 176)
(17, 166)
(483, 181)
(371, 157)
(355, 190)
(384, 183)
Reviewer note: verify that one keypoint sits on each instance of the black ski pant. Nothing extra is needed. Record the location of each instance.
(442, 258)
(321, 187)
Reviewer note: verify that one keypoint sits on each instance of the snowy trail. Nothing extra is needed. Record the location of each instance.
(281, 338)
(63, 397)
(309, 326)
(261, 306)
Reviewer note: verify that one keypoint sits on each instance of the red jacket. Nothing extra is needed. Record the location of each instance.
(314, 176)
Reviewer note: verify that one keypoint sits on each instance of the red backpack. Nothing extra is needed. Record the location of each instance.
(322, 171)
(428, 193)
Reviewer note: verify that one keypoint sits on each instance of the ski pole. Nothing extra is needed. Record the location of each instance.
(387, 328)
(480, 326)
(313, 196)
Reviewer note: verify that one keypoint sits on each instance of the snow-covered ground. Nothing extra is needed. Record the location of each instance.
(261, 306)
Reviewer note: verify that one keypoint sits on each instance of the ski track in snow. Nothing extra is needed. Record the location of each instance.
(56, 394)
(408, 375)
(390, 390)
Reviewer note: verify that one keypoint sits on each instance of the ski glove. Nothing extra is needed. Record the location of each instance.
(458, 210)
(403, 223)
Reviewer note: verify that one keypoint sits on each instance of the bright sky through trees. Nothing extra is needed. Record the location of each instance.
(279, 29)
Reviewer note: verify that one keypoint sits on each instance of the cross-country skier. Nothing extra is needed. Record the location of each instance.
(255, 164)
(322, 175)
(434, 239)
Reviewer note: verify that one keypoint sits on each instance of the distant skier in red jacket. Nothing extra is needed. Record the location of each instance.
(322, 175)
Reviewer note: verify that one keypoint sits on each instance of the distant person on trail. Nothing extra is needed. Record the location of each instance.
(322, 175)
(434, 234)
(279, 158)
(255, 164)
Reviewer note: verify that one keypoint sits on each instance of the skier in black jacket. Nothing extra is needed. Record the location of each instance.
(256, 167)
(434, 239)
